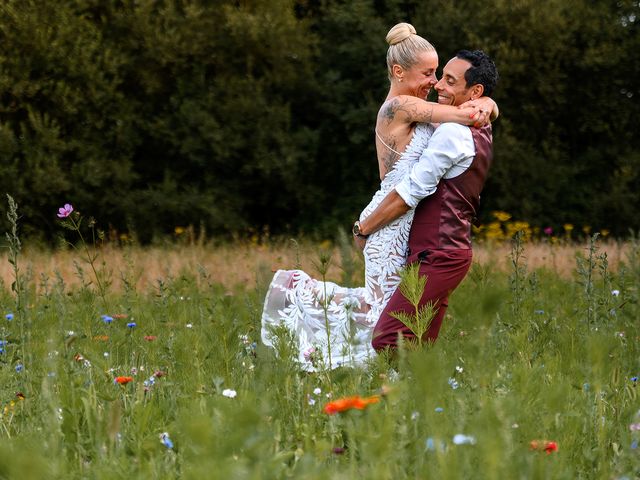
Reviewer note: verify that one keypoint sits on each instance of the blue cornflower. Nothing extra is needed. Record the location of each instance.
(439, 409)
(9, 316)
(106, 318)
(634, 379)
(165, 440)
(3, 343)
(131, 324)
(19, 367)
(539, 312)
(430, 444)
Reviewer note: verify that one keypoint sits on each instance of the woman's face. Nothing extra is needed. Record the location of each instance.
(421, 77)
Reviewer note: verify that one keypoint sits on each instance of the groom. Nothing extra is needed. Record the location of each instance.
(444, 187)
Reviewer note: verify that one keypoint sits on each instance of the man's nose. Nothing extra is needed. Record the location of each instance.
(438, 85)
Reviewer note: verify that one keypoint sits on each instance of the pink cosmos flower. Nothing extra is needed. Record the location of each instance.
(64, 212)
(548, 231)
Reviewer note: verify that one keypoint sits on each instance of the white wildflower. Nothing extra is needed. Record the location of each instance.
(229, 393)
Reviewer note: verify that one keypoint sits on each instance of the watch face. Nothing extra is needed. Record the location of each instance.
(356, 228)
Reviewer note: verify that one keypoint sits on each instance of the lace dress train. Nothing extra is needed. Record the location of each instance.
(332, 325)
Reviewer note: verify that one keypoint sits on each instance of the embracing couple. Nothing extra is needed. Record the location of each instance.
(433, 159)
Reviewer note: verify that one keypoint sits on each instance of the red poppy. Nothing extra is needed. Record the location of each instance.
(544, 445)
(120, 316)
(101, 338)
(347, 403)
(123, 380)
(150, 338)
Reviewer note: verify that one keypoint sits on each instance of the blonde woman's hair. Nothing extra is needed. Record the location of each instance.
(404, 47)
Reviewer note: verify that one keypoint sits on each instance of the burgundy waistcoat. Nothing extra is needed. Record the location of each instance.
(443, 220)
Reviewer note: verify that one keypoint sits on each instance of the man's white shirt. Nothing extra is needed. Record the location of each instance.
(449, 153)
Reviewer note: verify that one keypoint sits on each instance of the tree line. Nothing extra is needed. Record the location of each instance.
(253, 116)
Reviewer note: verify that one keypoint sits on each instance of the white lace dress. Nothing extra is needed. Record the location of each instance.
(331, 326)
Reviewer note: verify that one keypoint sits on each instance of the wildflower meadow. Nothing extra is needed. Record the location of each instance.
(534, 376)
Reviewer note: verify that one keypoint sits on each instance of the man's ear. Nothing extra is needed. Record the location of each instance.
(476, 91)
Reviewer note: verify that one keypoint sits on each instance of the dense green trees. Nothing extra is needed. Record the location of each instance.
(243, 115)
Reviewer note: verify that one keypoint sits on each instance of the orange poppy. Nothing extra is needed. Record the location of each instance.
(347, 403)
(123, 380)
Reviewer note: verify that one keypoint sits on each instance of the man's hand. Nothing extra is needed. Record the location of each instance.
(360, 241)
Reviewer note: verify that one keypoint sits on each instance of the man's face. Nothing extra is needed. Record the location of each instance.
(452, 88)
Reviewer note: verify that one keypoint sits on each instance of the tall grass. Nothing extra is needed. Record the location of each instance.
(242, 263)
(527, 352)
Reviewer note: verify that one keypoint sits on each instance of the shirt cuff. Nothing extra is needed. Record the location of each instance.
(404, 191)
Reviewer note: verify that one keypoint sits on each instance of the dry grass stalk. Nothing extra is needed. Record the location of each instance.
(239, 264)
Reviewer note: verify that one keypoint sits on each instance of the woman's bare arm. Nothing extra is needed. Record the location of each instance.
(411, 109)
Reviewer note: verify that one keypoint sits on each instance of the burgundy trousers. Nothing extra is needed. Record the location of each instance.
(444, 270)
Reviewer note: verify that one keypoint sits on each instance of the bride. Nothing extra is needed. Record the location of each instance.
(332, 325)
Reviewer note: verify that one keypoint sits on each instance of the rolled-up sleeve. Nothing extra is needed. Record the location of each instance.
(449, 145)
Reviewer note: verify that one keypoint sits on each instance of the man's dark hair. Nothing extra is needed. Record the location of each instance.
(482, 71)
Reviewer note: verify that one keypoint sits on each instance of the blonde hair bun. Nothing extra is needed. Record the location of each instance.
(400, 32)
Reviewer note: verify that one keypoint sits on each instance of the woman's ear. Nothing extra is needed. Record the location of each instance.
(398, 72)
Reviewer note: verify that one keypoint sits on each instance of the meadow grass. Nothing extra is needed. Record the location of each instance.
(528, 352)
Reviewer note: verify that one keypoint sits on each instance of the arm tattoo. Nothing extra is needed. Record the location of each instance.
(389, 111)
(415, 113)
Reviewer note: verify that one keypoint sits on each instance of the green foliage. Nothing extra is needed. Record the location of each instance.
(412, 286)
(257, 116)
(568, 91)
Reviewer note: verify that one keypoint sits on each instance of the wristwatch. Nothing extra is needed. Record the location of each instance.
(356, 230)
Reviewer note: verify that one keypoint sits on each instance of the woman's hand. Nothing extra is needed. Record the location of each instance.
(483, 110)
(474, 115)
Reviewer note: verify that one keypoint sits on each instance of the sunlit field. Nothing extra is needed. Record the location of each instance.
(148, 364)
(240, 264)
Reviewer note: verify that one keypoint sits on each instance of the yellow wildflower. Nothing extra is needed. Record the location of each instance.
(501, 216)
